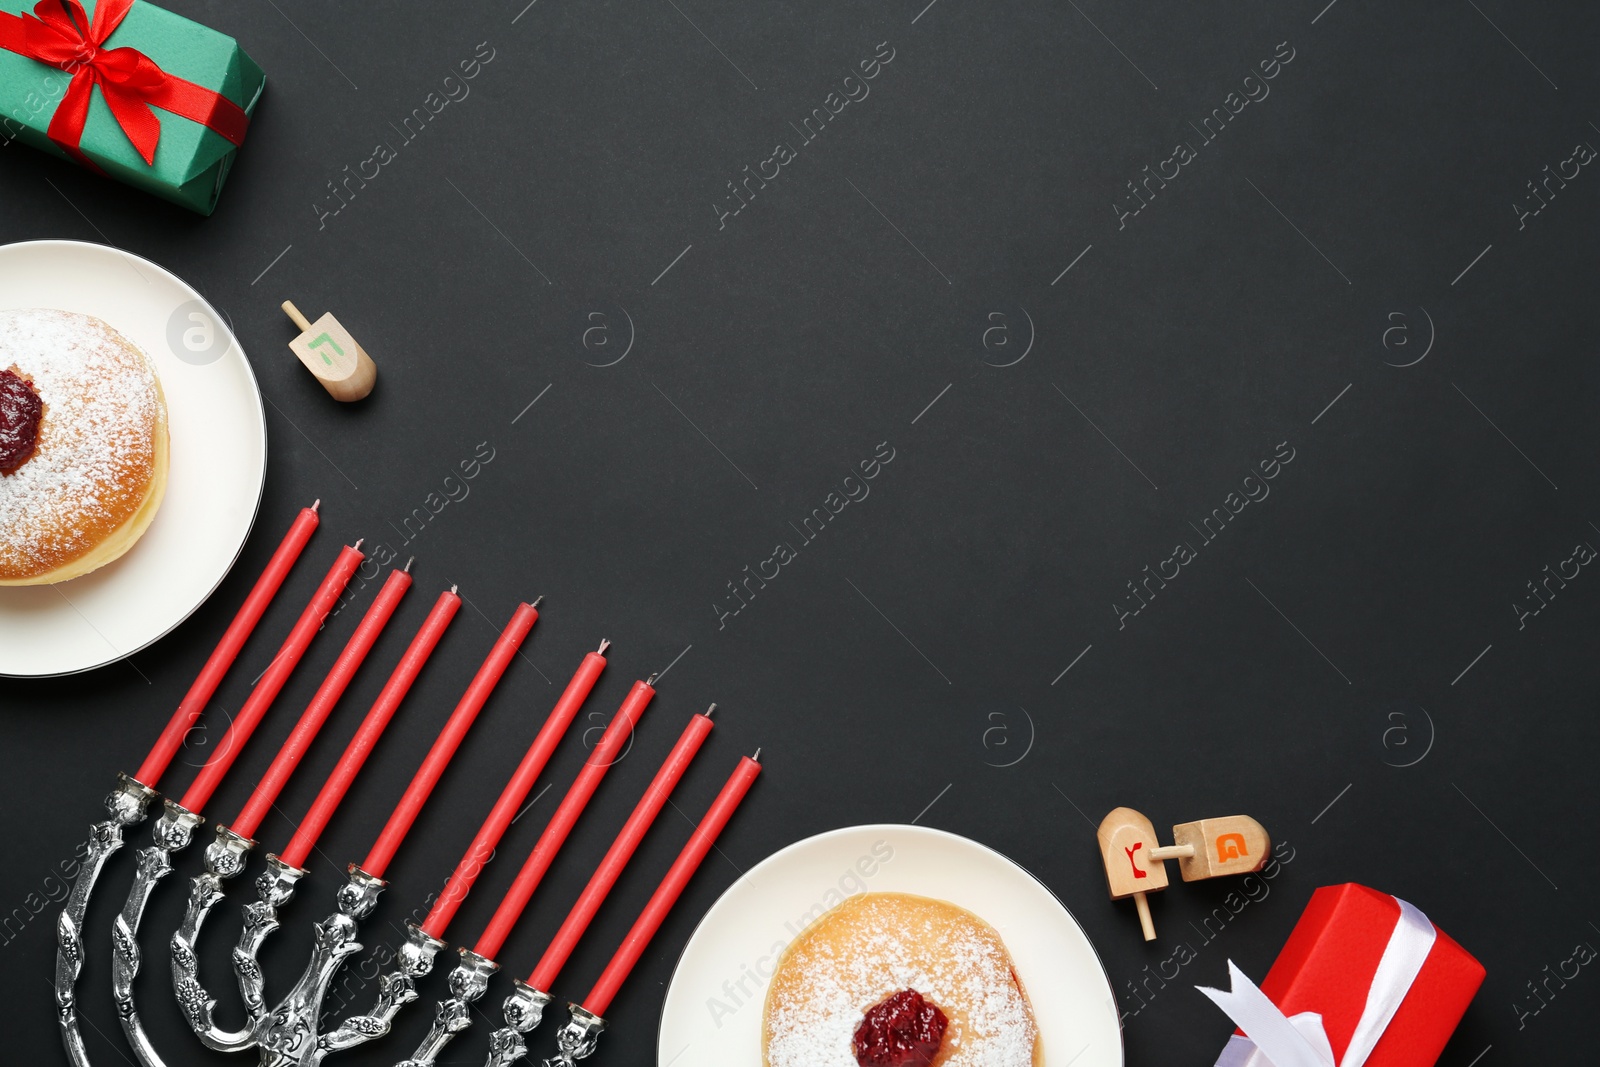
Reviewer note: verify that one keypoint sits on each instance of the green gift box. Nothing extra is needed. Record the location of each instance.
(152, 63)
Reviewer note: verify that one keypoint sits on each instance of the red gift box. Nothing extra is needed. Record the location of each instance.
(1353, 948)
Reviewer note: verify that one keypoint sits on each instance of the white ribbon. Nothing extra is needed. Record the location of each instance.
(1275, 1040)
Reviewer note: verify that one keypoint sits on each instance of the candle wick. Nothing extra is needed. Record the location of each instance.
(652, 679)
(357, 545)
(316, 504)
(537, 601)
(452, 590)
(605, 643)
(409, 562)
(710, 710)
(757, 757)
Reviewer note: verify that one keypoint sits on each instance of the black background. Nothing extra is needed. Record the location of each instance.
(821, 321)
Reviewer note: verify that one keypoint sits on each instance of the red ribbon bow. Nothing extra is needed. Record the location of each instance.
(61, 34)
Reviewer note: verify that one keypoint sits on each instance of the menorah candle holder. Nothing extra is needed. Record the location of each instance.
(575, 1041)
(275, 887)
(126, 804)
(578, 1039)
(289, 1035)
(396, 989)
(468, 981)
(524, 1011)
(172, 832)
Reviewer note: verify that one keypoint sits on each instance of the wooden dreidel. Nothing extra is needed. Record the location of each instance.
(1127, 848)
(329, 352)
(1211, 848)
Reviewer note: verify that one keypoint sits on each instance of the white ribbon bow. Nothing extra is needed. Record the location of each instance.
(1275, 1040)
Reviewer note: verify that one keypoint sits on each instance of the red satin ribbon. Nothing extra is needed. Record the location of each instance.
(61, 34)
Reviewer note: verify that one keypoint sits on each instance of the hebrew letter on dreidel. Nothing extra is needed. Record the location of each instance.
(324, 339)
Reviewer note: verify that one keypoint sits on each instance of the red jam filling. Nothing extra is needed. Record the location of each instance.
(20, 411)
(902, 1031)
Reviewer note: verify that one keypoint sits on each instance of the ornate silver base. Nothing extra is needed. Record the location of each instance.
(126, 805)
(276, 887)
(395, 990)
(468, 982)
(288, 1036)
(524, 1011)
(171, 832)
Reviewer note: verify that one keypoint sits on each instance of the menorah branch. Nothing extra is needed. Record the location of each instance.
(225, 859)
(275, 887)
(468, 982)
(126, 805)
(524, 1011)
(287, 1036)
(171, 832)
(395, 990)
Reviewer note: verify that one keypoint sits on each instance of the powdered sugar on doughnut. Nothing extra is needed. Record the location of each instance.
(878, 944)
(96, 446)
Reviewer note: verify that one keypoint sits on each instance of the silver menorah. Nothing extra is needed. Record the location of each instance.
(289, 1033)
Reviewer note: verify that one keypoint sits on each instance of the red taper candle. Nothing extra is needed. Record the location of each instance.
(516, 790)
(322, 703)
(227, 650)
(666, 895)
(621, 851)
(273, 678)
(372, 727)
(555, 835)
(449, 739)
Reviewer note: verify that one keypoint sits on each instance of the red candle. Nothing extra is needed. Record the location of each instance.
(327, 695)
(233, 639)
(561, 823)
(621, 851)
(516, 790)
(273, 679)
(449, 739)
(666, 895)
(372, 727)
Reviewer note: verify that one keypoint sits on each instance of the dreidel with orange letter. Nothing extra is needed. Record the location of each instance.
(332, 355)
(1135, 860)
(1211, 848)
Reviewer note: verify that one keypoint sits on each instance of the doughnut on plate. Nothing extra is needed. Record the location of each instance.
(216, 465)
(713, 1014)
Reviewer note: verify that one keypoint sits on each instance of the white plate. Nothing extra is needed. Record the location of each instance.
(219, 461)
(762, 912)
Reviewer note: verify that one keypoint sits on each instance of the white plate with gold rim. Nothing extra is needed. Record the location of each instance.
(218, 461)
(713, 1012)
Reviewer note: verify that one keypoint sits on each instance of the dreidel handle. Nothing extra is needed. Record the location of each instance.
(1172, 852)
(1142, 902)
(294, 314)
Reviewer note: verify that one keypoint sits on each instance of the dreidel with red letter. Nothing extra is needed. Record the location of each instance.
(1127, 842)
(1135, 860)
(332, 355)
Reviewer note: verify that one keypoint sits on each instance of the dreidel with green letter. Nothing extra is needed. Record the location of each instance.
(332, 355)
